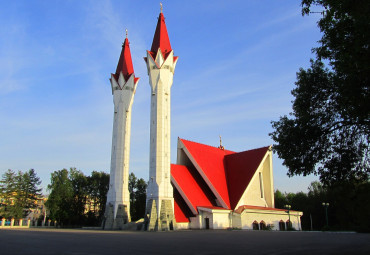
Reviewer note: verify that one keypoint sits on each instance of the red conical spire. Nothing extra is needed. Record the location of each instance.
(161, 39)
(125, 62)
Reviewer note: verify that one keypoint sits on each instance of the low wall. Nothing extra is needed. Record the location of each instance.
(21, 223)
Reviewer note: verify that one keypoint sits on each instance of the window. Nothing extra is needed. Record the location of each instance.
(288, 224)
(261, 184)
(281, 225)
(255, 225)
(262, 225)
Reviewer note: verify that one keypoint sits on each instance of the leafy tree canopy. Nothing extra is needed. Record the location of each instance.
(76, 199)
(19, 193)
(348, 206)
(61, 196)
(137, 189)
(327, 133)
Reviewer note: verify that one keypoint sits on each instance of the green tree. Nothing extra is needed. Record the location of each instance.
(10, 208)
(137, 189)
(76, 199)
(328, 131)
(61, 197)
(140, 202)
(361, 204)
(98, 184)
(20, 192)
(29, 190)
(80, 192)
(280, 199)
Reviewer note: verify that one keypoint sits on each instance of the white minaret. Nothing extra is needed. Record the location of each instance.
(124, 84)
(161, 66)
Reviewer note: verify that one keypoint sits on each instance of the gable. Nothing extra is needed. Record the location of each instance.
(259, 191)
(209, 161)
(240, 168)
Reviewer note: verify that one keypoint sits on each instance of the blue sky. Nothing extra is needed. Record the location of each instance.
(237, 65)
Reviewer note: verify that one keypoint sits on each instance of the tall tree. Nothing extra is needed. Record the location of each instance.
(80, 195)
(280, 199)
(140, 202)
(137, 189)
(348, 206)
(20, 192)
(61, 197)
(98, 184)
(30, 191)
(328, 131)
(10, 208)
(76, 199)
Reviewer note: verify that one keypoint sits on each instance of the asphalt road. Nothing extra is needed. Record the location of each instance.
(93, 242)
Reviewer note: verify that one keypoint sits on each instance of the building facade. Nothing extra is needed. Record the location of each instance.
(216, 188)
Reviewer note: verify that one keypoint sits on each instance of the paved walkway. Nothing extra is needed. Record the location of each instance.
(94, 242)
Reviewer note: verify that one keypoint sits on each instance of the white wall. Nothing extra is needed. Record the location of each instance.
(247, 219)
(221, 220)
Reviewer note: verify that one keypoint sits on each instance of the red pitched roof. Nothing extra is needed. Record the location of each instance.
(179, 214)
(240, 168)
(182, 212)
(211, 161)
(223, 173)
(161, 39)
(190, 185)
(125, 63)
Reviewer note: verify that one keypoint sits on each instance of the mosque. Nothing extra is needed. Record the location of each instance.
(208, 187)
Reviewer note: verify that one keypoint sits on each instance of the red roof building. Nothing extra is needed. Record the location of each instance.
(218, 188)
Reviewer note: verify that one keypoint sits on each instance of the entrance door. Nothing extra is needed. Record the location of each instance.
(207, 223)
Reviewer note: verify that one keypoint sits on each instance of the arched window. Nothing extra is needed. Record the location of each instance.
(255, 225)
(262, 225)
(288, 225)
(281, 225)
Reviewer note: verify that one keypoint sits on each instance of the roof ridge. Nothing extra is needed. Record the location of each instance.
(263, 147)
(206, 145)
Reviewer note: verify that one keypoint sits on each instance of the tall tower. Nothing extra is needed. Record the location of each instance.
(161, 66)
(124, 84)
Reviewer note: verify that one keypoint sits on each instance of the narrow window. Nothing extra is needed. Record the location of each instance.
(262, 225)
(255, 225)
(261, 184)
(288, 225)
(281, 225)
